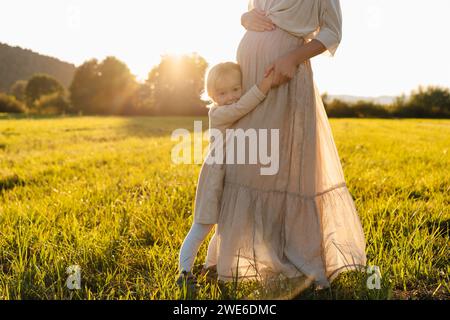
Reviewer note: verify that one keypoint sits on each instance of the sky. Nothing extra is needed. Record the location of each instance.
(388, 47)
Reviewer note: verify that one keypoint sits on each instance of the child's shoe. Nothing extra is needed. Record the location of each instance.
(210, 273)
(188, 280)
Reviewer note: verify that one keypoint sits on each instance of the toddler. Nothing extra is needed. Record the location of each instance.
(224, 87)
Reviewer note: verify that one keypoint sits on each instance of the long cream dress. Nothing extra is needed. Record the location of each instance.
(303, 219)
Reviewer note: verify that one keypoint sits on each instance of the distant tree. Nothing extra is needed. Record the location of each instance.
(84, 86)
(325, 97)
(39, 85)
(117, 86)
(18, 90)
(339, 109)
(369, 109)
(10, 104)
(431, 100)
(141, 103)
(103, 88)
(54, 103)
(176, 85)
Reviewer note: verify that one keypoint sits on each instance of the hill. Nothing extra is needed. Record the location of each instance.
(17, 63)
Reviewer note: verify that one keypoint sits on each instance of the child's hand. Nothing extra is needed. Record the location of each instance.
(266, 83)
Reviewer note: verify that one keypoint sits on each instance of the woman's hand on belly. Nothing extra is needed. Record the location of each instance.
(256, 20)
(284, 69)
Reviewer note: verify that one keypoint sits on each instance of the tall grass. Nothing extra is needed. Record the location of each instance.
(102, 193)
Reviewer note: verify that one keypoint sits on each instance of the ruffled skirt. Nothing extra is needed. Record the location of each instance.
(302, 220)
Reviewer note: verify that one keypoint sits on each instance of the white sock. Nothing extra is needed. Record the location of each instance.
(191, 244)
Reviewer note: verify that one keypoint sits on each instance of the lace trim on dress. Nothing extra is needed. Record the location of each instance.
(337, 186)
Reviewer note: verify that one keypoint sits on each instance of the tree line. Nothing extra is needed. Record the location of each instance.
(423, 102)
(174, 88)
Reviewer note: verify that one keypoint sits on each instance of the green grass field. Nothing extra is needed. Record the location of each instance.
(102, 193)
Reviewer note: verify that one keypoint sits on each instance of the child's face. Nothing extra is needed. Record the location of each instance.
(228, 89)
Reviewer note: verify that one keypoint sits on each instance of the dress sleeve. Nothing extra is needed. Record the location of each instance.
(227, 115)
(250, 5)
(330, 19)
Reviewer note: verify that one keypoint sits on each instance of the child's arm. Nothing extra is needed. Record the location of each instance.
(266, 84)
(227, 115)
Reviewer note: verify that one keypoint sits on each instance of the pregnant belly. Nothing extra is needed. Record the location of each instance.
(257, 50)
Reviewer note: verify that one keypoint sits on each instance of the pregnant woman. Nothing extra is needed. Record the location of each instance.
(302, 220)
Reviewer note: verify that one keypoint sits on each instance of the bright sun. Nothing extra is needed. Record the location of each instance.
(179, 27)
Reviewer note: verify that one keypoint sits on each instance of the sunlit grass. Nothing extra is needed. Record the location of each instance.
(102, 193)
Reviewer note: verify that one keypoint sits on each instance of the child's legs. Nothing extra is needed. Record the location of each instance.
(211, 257)
(191, 244)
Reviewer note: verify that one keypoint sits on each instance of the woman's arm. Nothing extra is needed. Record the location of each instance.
(285, 67)
(328, 38)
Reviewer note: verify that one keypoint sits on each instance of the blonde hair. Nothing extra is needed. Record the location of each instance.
(218, 71)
